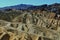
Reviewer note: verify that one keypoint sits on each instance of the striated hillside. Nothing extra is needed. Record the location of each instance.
(29, 25)
(39, 24)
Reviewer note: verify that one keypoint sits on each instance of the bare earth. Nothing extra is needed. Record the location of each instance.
(32, 25)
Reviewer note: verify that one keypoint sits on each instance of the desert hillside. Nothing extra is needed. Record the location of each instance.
(29, 25)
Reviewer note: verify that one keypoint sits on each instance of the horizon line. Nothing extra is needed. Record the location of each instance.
(28, 4)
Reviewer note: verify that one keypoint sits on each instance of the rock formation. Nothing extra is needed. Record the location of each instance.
(29, 25)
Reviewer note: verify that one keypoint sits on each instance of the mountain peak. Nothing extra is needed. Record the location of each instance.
(27, 6)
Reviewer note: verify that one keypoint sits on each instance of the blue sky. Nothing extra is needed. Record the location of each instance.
(4, 3)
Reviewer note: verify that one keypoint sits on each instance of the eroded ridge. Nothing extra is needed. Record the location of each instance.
(31, 26)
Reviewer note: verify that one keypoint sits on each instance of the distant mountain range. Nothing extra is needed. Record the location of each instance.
(53, 7)
(25, 6)
(18, 7)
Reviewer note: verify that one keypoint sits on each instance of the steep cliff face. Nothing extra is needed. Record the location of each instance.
(32, 25)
